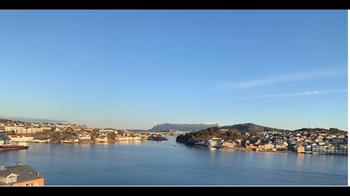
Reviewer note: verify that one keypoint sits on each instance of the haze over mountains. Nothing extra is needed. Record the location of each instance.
(242, 127)
(32, 120)
(181, 127)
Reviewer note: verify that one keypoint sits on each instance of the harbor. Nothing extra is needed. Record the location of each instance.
(161, 163)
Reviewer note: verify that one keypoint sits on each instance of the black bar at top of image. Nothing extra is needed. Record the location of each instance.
(174, 4)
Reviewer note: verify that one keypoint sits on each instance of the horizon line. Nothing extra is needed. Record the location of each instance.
(218, 125)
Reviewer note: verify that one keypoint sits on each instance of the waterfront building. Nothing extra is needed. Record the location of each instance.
(300, 149)
(228, 144)
(84, 137)
(41, 140)
(20, 175)
(318, 149)
(67, 141)
(260, 148)
(342, 149)
(101, 139)
(21, 138)
(215, 142)
(135, 138)
(308, 148)
(269, 146)
(251, 147)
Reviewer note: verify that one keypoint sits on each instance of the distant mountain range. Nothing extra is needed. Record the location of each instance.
(32, 120)
(181, 127)
(243, 128)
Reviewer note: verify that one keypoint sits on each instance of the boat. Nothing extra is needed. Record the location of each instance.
(157, 138)
(8, 147)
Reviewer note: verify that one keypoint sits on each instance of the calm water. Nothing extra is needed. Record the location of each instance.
(162, 163)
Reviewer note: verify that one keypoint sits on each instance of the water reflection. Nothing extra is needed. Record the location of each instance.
(153, 162)
(136, 142)
(300, 159)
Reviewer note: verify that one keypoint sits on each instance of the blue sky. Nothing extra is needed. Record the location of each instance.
(134, 69)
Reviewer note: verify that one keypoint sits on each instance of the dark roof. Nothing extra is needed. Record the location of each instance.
(4, 137)
(24, 172)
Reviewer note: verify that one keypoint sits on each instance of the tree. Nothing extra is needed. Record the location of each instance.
(111, 136)
(94, 134)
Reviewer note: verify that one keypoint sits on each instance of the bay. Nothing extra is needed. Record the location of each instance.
(169, 163)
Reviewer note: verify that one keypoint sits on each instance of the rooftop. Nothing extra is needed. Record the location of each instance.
(23, 172)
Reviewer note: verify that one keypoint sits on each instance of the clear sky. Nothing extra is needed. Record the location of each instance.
(134, 69)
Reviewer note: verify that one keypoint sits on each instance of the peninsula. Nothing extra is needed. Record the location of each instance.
(260, 138)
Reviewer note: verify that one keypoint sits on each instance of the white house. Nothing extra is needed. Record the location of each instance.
(101, 139)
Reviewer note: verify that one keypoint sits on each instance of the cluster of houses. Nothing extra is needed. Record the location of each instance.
(24, 128)
(312, 141)
(69, 133)
(300, 141)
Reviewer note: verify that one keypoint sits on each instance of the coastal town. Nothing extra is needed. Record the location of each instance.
(16, 135)
(309, 141)
(25, 132)
(249, 137)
